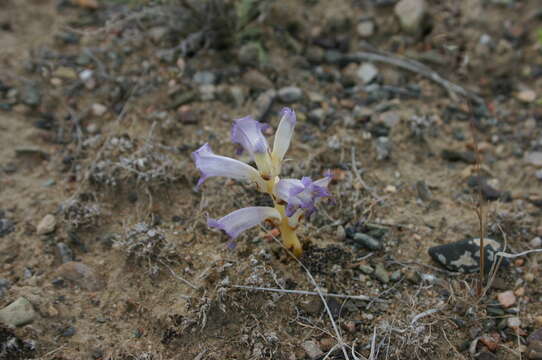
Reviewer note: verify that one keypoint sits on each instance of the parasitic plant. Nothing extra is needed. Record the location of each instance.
(292, 198)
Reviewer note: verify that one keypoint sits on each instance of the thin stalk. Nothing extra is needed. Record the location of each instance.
(480, 205)
(287, 233)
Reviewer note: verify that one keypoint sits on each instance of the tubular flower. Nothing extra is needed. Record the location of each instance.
(210, 164)
(283, 137)
(247, 132)
(292, 198)
(302, 194)
(243, 219)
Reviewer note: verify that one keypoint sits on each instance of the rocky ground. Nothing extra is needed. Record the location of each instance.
(427, 113)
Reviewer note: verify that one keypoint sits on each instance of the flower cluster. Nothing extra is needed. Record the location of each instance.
(292, 198)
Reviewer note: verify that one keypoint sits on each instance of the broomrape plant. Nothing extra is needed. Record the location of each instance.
(292, 198)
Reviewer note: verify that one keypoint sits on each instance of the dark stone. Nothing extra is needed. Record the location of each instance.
(489, 193)
(176, 218)
(9, 168)
(132, 197)
(383, 148)
(5, 107)
(97, 354)
(485, 355)
(423, 191)
(458, 134)
(6, 226)
(182, 98)
(45, 123)
(58, 282)
(67, 38)
(168, 56)
(69, 331)
(31, 95)
(459, 156)
(14, 348)
(65, 253)
(4, 286)
(335, 57)
(379, 129)
(463, 256)
(495, 311)
(334, 307)
(367, 241)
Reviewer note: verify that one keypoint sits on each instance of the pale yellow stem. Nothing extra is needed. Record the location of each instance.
(289, 237)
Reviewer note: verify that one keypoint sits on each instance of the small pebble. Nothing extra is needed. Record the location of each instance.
(312, 349)
(366, 29)
(69, 331)
(65, 72)
(66, 254)
(47, 225)
(18, 313)
(256, 80)
(98, 109)
(4, 286)
(340, 233)
(86, 75)
(411, 14)
(366, 269)
(534, 158)
(204, 78)
(81, 274)
(381, 274)
(6, 227)
(526, 96)
(349, 326)
(507, 298)
(290, 94)
(367, 72)
(513, 322)
(326, 343)
(535, 243)
(413, 276)
(367, 241)
(395, 276)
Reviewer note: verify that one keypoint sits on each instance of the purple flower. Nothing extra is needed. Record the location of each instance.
(247, 132)
(283, 137)
(240, 220)
(302, 194)
(211, 164)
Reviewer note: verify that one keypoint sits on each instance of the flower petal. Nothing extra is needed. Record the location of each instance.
(285, 132)
(211, 164)
(287, 188)
(302, 194)
(247, 132)
(320, 185)
(243, 219)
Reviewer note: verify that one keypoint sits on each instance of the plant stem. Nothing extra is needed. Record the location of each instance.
(289, 237)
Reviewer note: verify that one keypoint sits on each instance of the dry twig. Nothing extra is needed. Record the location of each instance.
(305, 292)
(319, 291)
(416, 67)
